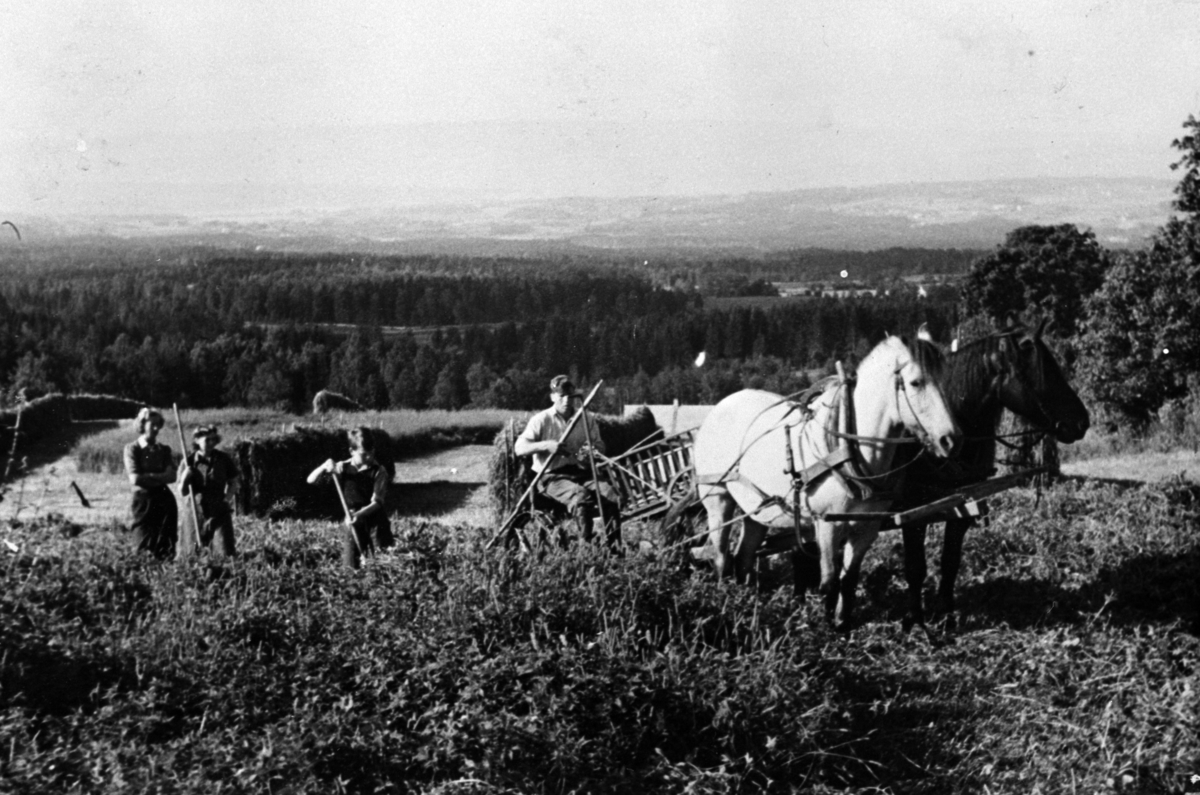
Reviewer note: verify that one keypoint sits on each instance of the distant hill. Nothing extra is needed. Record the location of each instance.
(966, 215)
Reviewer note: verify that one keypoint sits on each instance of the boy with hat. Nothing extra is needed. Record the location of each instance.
(567, 479)
(212, 476)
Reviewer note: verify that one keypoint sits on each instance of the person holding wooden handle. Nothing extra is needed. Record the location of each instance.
(560, 454)
(363, 487)
(210, 478)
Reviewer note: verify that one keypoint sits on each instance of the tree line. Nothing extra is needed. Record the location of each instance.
(209, 334)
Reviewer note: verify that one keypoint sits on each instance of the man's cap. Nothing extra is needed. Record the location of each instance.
(561, 385)
(207, 430)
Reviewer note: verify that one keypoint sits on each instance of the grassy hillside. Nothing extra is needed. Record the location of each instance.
(443, 668)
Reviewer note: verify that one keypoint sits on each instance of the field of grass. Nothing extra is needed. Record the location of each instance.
(445, 668)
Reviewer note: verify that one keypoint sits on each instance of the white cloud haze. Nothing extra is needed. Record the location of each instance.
(113, 105)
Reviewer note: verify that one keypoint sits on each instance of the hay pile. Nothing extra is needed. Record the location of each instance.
(38, 418)
(509, 476)
(275, 468)
(325, 401)
(102, 407)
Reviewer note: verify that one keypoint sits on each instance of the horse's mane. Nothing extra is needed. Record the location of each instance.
(969, 376)
(929, 357)
(925, 354)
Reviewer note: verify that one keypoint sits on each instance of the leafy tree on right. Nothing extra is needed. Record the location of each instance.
(1141, 338)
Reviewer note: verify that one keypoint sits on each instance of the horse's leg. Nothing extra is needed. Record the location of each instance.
(860, 540)
(806, 572)
(952, 546)
(914, 573)
(830, 537)
(746, 558)
(719, 507)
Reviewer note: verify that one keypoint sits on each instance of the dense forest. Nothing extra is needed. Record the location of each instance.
(211, 327)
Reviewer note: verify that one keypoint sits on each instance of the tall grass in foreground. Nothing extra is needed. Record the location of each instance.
(442, 668)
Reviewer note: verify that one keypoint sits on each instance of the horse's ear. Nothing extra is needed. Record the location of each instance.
(923, 333)
(1011, 321)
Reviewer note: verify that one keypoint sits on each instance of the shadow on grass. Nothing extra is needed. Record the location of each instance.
(1145, 589)
(914, 743)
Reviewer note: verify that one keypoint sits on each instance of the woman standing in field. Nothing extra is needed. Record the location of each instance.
(151, 469)
(213, 478)
(364, 484)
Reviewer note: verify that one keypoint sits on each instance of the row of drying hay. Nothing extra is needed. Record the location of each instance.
(27, 424)
(509, 476)
(326, 401)
(275, 466)
(36, 419)
(86, 408)
(416, 432)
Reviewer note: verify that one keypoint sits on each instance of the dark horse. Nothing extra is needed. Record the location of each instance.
(1012, 369)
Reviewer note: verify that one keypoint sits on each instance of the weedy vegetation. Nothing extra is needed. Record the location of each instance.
(443, 668)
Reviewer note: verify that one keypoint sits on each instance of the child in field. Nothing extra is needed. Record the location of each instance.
(150, 467)
(213, 478)
(364, 484)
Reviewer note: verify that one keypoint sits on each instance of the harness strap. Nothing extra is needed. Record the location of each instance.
(831, 461)
(768, 500)
(850, 437)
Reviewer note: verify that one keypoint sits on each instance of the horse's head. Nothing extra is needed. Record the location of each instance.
(920, 406)
(1030, 383)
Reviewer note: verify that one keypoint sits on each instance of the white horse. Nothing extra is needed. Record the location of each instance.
(839, 449)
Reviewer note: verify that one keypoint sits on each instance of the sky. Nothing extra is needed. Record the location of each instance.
(135, 106)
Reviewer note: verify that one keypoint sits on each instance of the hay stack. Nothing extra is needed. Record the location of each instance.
(274, 470)
(102, 407)
(38, 418)
(326, 401)
(509, 476)
(621, 434)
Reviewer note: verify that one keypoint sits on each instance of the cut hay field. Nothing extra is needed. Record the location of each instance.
(444, 668)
